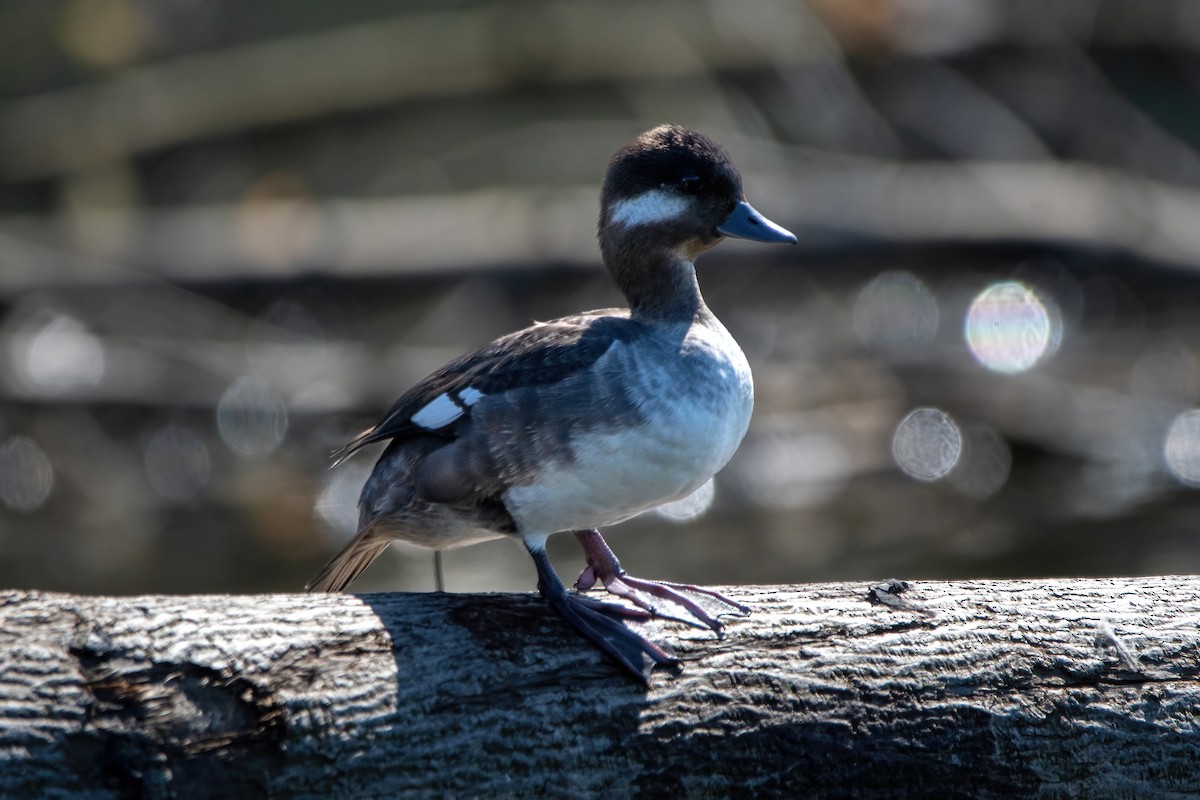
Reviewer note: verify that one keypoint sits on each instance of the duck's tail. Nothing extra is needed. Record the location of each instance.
(349, 563)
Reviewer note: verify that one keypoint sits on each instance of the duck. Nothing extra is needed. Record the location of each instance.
(583, 422)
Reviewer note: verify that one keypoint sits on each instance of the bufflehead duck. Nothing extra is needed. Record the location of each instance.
(588, 420)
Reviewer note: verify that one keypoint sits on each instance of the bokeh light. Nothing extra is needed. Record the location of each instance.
(927, 444)
(278, 223)
(690, 507)
(56, 354)
(1009, 328)
(252, 418)
(1182, 448)
(337, 502)
(895, 310)
(792, 469)
(102, 33)
(288, 348)
(26, 475)
(984, 464)
(177, 463)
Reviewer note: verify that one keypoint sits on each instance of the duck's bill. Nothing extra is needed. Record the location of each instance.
(746, 223)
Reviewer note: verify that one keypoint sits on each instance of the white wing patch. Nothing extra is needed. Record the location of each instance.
(438, 413)
(470, 396)
(648, 207)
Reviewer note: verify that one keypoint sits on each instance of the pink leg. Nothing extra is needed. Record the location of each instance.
(597, 621)
(604, 566)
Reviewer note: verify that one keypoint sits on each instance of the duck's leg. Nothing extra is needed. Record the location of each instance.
(599, 622)
(703, 605)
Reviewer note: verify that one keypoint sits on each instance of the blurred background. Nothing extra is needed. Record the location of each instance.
(231, 234)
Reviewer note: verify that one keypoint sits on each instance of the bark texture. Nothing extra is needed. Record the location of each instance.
(1055, 689)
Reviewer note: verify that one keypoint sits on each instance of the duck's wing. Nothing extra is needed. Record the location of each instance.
(545, 353)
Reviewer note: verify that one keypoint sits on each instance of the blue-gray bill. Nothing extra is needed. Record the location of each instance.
(746, 223)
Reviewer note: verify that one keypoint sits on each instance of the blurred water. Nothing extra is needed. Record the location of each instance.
(882, 443)
(26, 475)
(220, 258)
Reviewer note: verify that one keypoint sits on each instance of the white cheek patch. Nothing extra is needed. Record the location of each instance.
(470, 396)
(649, 207)
(438, 413)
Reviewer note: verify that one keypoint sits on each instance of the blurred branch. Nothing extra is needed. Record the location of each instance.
(484, 48)
(1050, 204)
(844, 204)
(417, 55)
(344, 237)
(928, 28)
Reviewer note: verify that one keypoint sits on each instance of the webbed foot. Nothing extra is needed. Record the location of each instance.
(702, 606)
(600, 623)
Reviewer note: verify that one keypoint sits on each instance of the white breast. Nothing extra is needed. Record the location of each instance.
(696, 407)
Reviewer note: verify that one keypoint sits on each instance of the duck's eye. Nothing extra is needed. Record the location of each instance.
(691, 183)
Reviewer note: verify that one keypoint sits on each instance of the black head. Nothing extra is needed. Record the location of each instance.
(681, 188)
(669, 195)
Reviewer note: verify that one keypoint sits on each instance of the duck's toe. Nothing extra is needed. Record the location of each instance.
(599, 623)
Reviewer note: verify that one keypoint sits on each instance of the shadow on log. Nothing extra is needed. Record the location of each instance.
(1069, 688)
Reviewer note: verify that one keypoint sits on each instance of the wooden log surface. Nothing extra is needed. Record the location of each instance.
(1059, 688)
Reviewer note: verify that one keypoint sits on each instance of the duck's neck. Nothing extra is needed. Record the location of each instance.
(659, 282)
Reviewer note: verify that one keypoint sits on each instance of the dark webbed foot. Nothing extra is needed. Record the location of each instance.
(702, 606)
(600, 622)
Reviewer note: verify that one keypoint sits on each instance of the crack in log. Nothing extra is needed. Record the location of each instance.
(182, 725)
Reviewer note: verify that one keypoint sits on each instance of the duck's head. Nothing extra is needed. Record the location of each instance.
(681, 188)
(669, 195)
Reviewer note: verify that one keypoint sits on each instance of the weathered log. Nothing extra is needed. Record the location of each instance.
(1067, 688)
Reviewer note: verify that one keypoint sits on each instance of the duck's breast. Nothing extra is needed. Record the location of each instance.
(685, 405)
